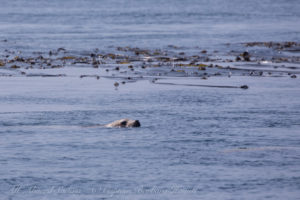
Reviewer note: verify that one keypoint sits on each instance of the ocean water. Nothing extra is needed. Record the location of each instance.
(208, 143)
(88, 24)
(194, 142)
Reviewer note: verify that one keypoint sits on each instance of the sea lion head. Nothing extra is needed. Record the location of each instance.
(133, 123)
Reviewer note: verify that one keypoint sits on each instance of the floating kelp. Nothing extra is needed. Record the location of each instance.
(170, 61)
(276, 45)
(15, 67)
(68, 58)
(200, 85)
(123, 62)
(46, 75)
(2, 63)
(93, 76)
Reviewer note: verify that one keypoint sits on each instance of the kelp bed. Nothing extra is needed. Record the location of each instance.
(129, 64)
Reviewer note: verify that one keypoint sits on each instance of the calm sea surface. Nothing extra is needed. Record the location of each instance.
(194, 143)
(87, 24)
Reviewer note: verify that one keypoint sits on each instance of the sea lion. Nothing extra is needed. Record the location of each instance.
(124, 123)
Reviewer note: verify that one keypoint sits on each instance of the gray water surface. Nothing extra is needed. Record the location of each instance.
(77, 24)
(194, 142)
